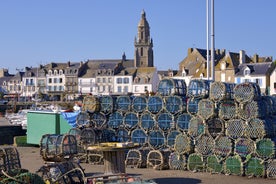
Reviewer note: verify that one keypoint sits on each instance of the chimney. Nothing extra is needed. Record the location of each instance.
(242, 56)
(68, 63)
(256, 58)
(190, 50)
(81, 63)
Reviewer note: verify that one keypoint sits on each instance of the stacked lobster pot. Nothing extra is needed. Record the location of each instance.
(208, 126)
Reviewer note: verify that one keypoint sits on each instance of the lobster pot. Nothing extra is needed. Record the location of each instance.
(139, 136)
(115, 120)
(137, 158)
(91, 104)
(165, 121)
(235, 128)
(20, 176)
(156, 139)
(221, 91)
(155, 104)
(196, 127)
(123, 103)
(131, 120)
(54, 147)
(90, 136)
(175, 104)
(213, 164)
(215, 126)
(227, 109)
(147, 121)
(107, 104)
(255, 167)
(170, 86)
(192, 105)
(98, 119)
(257, 128)
(122, 135)
(246, 92)
(62, 172)
(9, 159)
(233, 165)
(252, 109)
(195, 162)
(183, 122)
(108, 135)
(158, 159)
(206, 109)
(271, 169)
(139, 104)
(265, 148)
(77, 133)
(177, 161)
(244, 147)
(198, 88)
(273, 104)
(83, 119)
(204, 145)
(223, 146)
(183, 144)
(171, 138)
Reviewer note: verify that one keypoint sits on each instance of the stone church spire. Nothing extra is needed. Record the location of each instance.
(143, 44)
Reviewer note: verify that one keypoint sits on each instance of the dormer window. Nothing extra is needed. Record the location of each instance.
(247, 71)
(223, 65)
(55, 72)
(60, 72)
(136, 80)
(201, 76)
(50, 72)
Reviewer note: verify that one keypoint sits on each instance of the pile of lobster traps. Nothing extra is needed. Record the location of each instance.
(206, 126)
(11, 171)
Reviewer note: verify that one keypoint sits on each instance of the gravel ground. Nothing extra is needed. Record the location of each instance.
(30, 159)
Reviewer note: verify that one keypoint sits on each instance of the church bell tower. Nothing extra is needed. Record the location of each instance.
(143, 44)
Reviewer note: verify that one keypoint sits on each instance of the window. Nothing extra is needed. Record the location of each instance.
(104, 80)
(109, 80)
(60, 80)
(126, 80)
(98, 80)
(247, 72)
(146, 88)
(119, 89)
(126, 89)
(142, 51)
(60, 72)
(136, 89)
(119, 80)
(50, 80)
(55, 80)
(55, 72)
(259, 82)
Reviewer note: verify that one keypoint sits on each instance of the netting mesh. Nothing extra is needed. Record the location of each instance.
(183, 122)
(244, 147)
(246, 92)
(98, 119)
(265, 148)
(123, 103)
(271, 169)
(168, 87)
(235, 128)
(155, 104)
(213, 164)
(233, 165)
(131, 120)
(122, 135)
(165, 121)
(195, 162)
(139, 136)
(198, 88)
(171, 138)
(206, 109)
(196, 127)
(139, 104)
(177, 161)
(147, 121)
(223, 146)
(107, 104)
(215, 127)
(183, 144)
(255, 167)
(156, 139)
(91, 104)
(175, 104)
(192, 105)
(158, 159)
(205, 145)
(227, 110)
(115, 120)
(252, 109)
(220, 91)
(257, 128)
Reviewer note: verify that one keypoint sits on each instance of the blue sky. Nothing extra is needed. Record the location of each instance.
(39, 32)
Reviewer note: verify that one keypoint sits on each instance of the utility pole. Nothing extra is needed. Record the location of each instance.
(213, 40)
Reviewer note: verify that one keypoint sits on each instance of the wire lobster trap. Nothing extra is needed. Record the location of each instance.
(271, 169)
(204, 145)
(123, 103)
(206, 109)
(246, 92)
(255, 167)
(171, 136)
(177, 161)
(227, 109)
(196, 127)
(215, 127)
(265, 148)
(259, 128)
(223, 146)
(130, 120)
(165, 121)
(137, 158)
(170, 86)
(233, 165)
(192, 105)
(98, 120)
(107, 104)
(155, 104)
(139, 136)
(234, 128)
(83, 119)
(58, 147)
(244, 147)
(115, 120)
(139, 104)
(198, 88)
(183, 144)
(183, 122)
(122, 135)
(252, 109)
(158, 159)
(9, 159)
(221, 91)
(213, 164)
(175, 104)
(195, 162)
(156, 139)
(147, 121)
(91, 104)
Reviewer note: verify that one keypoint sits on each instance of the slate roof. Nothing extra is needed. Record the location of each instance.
(256, 68)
